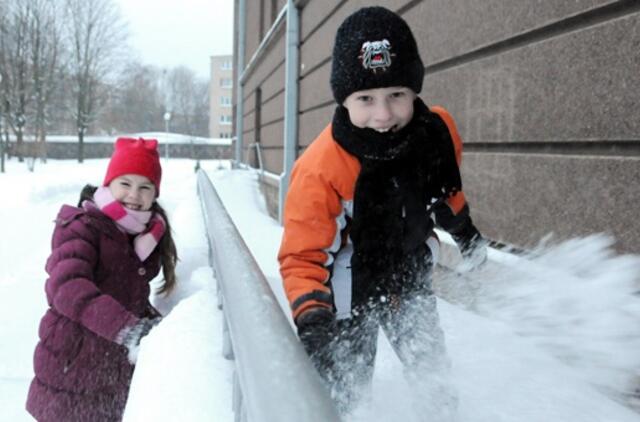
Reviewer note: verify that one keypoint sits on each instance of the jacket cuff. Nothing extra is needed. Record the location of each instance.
(314, 299)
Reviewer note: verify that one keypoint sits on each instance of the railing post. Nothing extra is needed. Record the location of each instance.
(292, 72)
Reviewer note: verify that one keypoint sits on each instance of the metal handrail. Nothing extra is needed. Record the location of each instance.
(255, 145)
(291, 88)
(274, 379)
(262, 48)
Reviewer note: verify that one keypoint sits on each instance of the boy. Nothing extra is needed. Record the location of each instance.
(358, 245)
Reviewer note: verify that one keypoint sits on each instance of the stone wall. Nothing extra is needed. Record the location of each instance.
(544, 93)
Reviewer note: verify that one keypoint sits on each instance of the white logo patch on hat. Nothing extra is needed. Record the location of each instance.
(376, 54)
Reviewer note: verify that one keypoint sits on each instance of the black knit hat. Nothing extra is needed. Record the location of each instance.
(374, 48)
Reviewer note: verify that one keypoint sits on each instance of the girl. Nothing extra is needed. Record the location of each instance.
(104, 254)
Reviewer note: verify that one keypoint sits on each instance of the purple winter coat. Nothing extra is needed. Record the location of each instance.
(96, 287)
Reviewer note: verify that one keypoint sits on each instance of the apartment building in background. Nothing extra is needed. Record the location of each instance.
(220, 94)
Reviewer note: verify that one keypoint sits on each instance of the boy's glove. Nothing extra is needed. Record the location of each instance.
(130, 336)
(473, 248)
(316, 329)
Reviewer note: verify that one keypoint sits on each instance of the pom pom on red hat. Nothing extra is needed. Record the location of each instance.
(135, 156)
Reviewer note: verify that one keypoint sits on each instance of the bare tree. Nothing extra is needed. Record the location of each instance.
(60, 69)
(45, 34)
(29, 53)
(14, 57)
(189, 98)
(181, 91)
(61, 107)
(4, 24)
(201, 108)
(97, 31)
(137, 103)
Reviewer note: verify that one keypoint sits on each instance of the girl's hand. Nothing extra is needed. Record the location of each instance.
(131, 336)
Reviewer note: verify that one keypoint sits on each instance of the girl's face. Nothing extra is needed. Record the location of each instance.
(381, 109)
(133, 191)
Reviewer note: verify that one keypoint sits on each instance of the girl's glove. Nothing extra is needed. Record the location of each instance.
(130, 337)
(316, 329)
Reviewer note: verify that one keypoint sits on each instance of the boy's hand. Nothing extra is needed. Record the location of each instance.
(474, 258)
(316, 329)
(473, 248)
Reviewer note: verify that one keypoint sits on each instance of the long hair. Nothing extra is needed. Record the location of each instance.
(166, 246)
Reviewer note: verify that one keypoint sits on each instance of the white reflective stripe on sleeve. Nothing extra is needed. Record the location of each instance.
(347, 206)
(341, 222)
(341, 282)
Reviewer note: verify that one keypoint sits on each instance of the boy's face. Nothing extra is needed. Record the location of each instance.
(381, 109)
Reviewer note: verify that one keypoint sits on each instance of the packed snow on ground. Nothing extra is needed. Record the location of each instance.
(553, 337)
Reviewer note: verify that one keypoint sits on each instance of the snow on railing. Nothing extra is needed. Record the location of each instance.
(274, 379)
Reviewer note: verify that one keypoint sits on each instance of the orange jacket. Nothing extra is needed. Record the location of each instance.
(319, 199)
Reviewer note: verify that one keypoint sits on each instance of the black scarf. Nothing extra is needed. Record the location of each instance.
(403, 174)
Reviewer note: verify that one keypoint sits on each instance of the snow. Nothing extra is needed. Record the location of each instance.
(548, 338)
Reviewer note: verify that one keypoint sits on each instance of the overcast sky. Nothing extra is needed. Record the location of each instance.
(169, 33)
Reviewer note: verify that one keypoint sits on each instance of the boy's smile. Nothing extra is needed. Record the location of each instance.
(381, 109)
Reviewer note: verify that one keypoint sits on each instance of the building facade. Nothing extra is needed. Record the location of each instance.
(220, 102)
(545, 96)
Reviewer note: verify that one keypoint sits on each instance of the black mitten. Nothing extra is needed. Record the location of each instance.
(316, 329)
(472, 245)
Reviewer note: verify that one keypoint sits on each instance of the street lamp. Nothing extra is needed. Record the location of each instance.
(167, 117)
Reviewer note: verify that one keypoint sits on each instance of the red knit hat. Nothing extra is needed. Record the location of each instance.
(135, 156)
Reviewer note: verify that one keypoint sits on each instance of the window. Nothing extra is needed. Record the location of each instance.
(226, 82)
(225, 135)
(225, 101)
(226, 65)
(225, 120)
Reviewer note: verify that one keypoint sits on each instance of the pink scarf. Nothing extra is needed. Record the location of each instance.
(146, 225)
